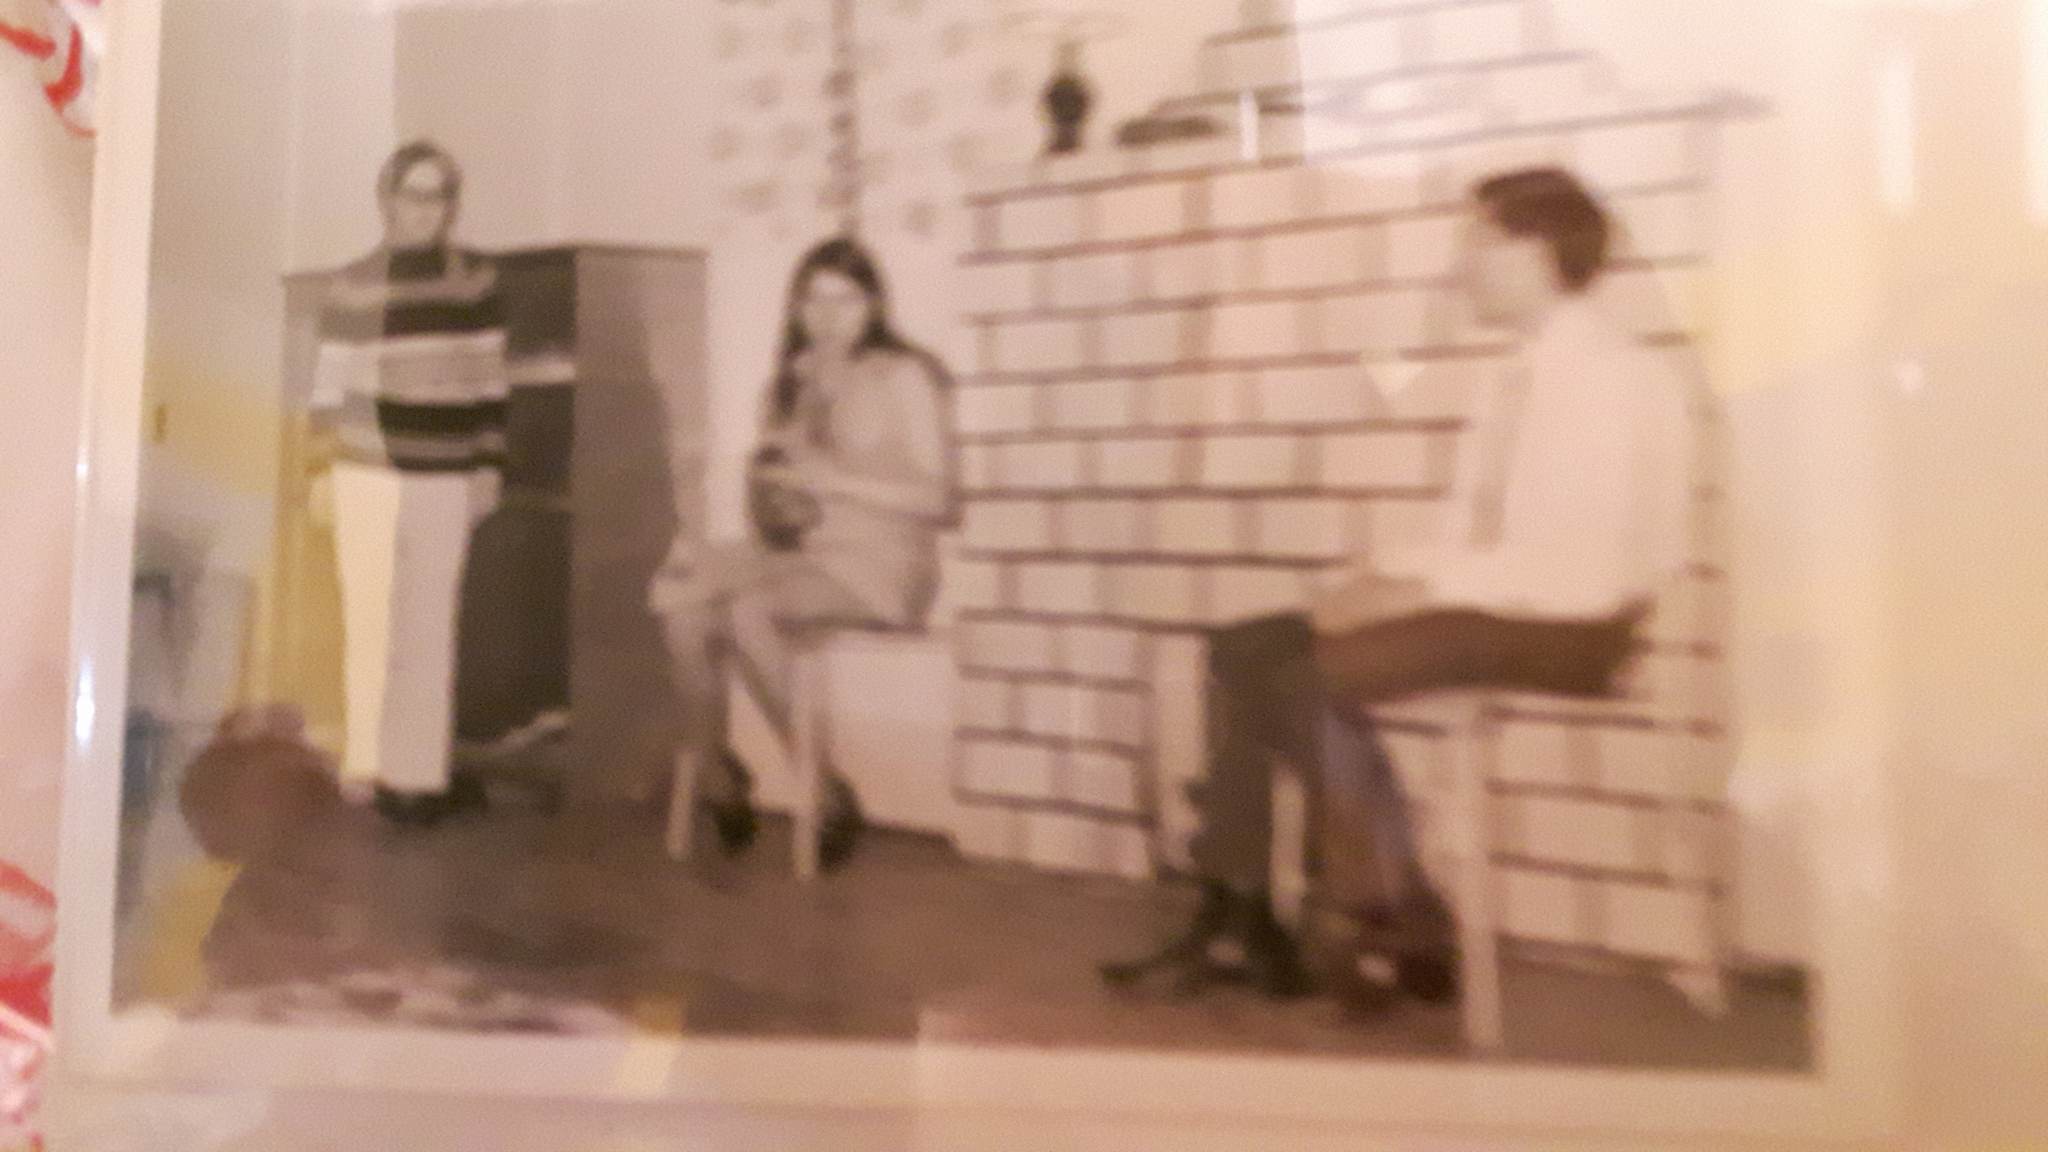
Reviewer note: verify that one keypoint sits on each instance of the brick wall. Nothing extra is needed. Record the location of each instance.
(1208, 371)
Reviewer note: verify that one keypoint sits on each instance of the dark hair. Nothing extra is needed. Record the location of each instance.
(412, 155)
(846, 257)
(1551, 205)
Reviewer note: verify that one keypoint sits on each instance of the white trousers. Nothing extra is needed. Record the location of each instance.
(402, 540)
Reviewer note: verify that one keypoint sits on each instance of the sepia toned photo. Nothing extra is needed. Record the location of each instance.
(1237, 530)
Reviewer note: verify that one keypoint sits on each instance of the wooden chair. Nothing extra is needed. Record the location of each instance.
(1669, 689)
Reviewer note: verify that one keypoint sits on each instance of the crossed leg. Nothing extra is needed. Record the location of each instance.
(737, 609)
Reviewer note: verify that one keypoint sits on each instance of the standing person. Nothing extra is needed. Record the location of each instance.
(852, 484)
(409, 399)
(1568, 515)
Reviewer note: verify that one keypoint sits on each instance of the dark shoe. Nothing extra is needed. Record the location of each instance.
(411, 809)
(1415, 946)
(1272, 960)
(734, 820)
(1431, 977)
(1367, 987)
(1233, 940)
(466, 793)
(843, 824)
(1191, 947)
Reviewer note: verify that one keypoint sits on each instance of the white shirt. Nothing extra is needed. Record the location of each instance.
(1596, 505)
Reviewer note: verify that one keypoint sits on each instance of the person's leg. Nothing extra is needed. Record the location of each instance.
(1261, 698)
(366, 510)
(1351, 846)
(1380, 924)
(792, 596)
(1260, 695)
(1359, 777)
(419, 716)
(695, 604)
(795, 600)
(1437, 649)
(1403, 916)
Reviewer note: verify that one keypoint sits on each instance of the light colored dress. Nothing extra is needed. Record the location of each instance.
(880, 425)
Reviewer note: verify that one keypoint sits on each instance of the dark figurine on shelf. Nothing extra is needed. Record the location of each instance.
(1068, 99)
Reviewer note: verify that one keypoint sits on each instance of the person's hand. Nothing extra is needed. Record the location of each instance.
(682, 555)
(799, 471)
(1367, 598)
(787, 507)
(486, 491)
(777, 478)
(779, 502)
(814, 472)
(1619, 646)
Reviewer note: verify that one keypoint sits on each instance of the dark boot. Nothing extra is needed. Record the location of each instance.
(411, 810)
(841, 829)
(1427, 965)
(1212, 916)
(466, 793)
(1272, 960)
(1429, 977)
(1233, 940)
(1416, 945)
(733, 818)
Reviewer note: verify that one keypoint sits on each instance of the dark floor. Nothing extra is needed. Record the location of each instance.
(907, 942)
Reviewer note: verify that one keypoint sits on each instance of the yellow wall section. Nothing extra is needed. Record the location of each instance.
(234, 440)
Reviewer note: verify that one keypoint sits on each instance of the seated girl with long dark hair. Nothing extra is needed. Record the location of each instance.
(850, 489)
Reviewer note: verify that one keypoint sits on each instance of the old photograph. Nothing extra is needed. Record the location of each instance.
(1216, 528)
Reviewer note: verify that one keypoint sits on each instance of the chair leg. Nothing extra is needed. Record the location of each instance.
(807, 758)
(1478, 934)
(682, 805)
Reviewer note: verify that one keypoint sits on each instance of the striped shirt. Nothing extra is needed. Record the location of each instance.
(411, 370)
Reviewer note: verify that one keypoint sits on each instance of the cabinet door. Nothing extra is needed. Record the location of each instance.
(514, 661)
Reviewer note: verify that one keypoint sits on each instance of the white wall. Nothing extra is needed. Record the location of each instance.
(345, 122)
(481, 82)
(213, 356)
(268, 158)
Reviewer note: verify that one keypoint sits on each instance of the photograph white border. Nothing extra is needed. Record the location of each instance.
(1853, 1096)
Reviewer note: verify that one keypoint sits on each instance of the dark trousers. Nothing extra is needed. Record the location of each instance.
(1276, 689)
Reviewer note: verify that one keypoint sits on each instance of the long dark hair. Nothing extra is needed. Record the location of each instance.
(846, 257)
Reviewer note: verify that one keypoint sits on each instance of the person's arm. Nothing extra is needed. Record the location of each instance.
(347, 373)
(337, 367)
(917, 480)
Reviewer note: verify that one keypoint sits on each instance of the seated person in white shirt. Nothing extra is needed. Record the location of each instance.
(1567, 514)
